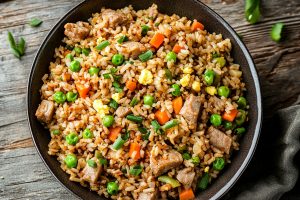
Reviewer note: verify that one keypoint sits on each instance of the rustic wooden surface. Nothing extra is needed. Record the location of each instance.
(22, 173)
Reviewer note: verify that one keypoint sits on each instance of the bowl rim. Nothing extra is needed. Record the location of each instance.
(253, 71)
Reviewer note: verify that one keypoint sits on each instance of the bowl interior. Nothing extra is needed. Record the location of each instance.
(193, 10)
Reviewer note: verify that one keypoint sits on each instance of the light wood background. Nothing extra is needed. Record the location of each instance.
(22, 173)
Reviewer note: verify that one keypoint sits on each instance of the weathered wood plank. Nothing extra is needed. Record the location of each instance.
(24, 176)
(278, 66)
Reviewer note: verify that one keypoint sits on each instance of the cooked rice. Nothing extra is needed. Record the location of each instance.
(199, 46)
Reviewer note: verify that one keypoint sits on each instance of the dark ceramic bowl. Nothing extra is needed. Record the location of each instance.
(192, 9)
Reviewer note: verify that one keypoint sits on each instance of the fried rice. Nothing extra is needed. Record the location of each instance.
(160, 141)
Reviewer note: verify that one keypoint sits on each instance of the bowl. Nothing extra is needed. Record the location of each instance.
(192, 9)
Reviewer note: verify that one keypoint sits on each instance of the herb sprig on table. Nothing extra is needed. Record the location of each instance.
(252, 14)
(17, 48)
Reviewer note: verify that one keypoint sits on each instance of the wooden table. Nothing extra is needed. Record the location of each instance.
(23, 174)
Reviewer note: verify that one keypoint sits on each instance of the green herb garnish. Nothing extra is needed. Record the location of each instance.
(252, 11)
(276, 31)
(18, 49)
(35, 22)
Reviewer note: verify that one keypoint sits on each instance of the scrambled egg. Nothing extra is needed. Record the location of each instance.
(196, 86)
(185, 80)
(211, 90)
(187, 70)
(206, 169)
(100, 108)
(117, 96)
(145, 77)
(99, 40)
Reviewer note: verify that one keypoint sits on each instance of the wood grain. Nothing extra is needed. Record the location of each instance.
(22, 173)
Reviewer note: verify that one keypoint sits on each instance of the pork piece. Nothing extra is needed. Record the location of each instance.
(186, 177)
(132, 49)
(147, 196)
(45, 111)
(77, 32)
(114, 18)
(219, 139)
(160, 165)
(122, 111)
(190, 110)
(91, 174)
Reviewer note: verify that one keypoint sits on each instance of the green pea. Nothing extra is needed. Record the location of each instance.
(176, 90)
(92, 163)
(171, 56)
(218, 164)
(72, 138)
(216, 119)
(87, 134)
(240, 131)
(223, 91)
(117, 59)
(241, 117)
(112, 188)
(59, 97)
(69, 57)
(148, 100)
(94, 71)
(86, 51)
(242, 102)
(108, 120)
(186, 156)
(71, 96)
(77, 50)
(55, 132)
(221, 61)
(195, 160)
(228, 125)
(145, 29)
(75, 66)
(71, 161)
(209, 76)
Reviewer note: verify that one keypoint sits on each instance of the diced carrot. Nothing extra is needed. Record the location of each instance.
(131, 85)
(197, 25)
(177, 48)
(187, 194)
(230, 116)
(157, 40)
(82, 90)
(134, 151)
(177, 105)
(114, 133)
(161, 117)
